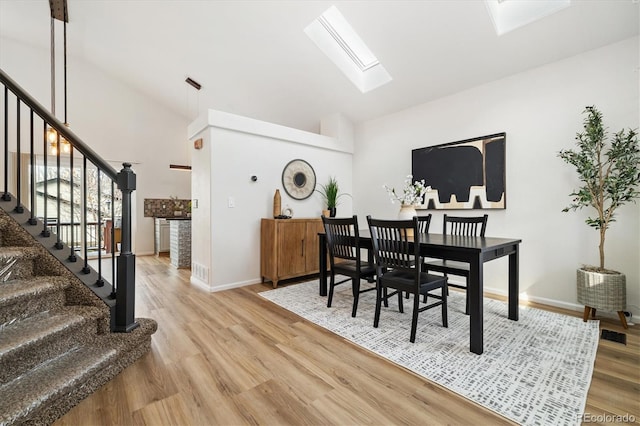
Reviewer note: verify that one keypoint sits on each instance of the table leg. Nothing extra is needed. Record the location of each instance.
(476, 312)
(514, 286)
(322, 258)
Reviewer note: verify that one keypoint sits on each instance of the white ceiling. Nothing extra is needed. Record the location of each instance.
(253, 58)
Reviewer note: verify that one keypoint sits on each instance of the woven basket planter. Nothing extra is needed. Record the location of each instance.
(607, 292)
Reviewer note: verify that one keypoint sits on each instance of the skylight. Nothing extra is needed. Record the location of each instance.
(508, 15)
(338, 40)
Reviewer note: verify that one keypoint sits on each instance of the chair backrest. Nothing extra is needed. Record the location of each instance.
(423, 223)
(342, 237)
(468, 226)
(396, 243)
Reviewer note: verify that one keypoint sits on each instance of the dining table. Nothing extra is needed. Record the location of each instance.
(475, 251)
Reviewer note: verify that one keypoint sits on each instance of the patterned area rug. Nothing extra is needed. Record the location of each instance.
(535, 371)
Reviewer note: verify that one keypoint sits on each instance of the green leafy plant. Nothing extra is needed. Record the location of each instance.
(609, 172)
(330, 193)
(177, 203)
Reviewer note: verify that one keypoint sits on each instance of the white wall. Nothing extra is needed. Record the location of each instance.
(541, 111)
(226, 241)
(118, 122)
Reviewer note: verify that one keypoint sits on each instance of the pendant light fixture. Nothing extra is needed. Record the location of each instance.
(52, 135)
(58, 11)
(191, 82)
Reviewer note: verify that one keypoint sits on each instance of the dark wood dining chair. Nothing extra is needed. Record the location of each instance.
(423, 227)
(465, 226)
(345, 258)
(423, 223)
(399, 269)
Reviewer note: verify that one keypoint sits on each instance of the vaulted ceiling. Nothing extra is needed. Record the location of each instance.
(252, 57)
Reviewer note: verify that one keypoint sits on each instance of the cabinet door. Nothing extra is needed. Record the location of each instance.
(313, 227)
(165, 240)
(291, 248)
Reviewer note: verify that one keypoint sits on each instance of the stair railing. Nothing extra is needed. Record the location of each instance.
(40, 201)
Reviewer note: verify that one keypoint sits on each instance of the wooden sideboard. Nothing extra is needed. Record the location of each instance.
(288, 248)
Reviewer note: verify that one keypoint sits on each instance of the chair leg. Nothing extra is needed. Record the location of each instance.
(414, 318)
(386, 298)
(376, 317)
(445, 320)
(355, 286)
(593, 312)
(424, 269)
(400, 304)
(332, 284)
(623, 319)
(447, 287)
(585, 315)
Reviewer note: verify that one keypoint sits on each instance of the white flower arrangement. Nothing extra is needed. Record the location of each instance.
(411, 194)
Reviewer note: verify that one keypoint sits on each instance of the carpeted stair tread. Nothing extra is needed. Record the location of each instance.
(30, 332)
(16, 290)
(42, 386)
(55, 344)
(17, 262)
(21, 252)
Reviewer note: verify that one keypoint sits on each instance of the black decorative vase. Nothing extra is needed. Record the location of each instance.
(332, 212)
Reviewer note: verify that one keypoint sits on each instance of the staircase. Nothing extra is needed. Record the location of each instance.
(65, 328)
(56, 346)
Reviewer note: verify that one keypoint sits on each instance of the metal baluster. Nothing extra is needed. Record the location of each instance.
(113, 244)
(6, 196)
(18, 208)
(72, 249)
(45, 229)
(85, 269)
(99, 281)
(58, 245)
(32, 192)
(72, 253)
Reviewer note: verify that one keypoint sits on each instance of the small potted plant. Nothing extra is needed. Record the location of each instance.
(330, 193)
(177, 205)
(609, 172)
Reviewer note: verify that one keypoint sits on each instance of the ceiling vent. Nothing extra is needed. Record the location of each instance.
(191, 82)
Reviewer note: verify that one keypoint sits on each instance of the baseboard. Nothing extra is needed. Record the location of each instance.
(537, 299)
(234, 285)
(198, 283)
(556, 303)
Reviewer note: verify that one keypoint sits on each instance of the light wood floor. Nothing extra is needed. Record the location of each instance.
(232, 358)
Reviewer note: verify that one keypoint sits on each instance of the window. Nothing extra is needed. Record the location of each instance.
(338, 40)
(508, 15)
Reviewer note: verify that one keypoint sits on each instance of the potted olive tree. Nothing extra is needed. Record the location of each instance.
(609, 172)
(330, 194)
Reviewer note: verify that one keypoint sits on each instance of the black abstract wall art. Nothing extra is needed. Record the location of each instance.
(468, 174)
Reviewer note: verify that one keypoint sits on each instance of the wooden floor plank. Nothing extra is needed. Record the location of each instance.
(172, 410)
(234, 358)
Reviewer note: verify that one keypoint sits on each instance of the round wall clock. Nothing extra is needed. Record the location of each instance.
(298, 179)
